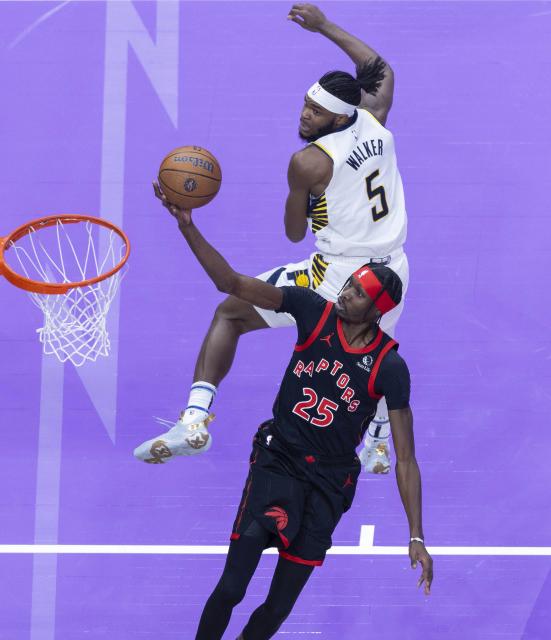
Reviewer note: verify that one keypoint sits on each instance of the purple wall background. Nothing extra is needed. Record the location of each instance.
(471, 123)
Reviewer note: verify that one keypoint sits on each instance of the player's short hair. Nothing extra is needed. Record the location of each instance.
(343, 85)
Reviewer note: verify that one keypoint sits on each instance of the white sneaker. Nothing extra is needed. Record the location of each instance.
(188, 437)
(375, 456)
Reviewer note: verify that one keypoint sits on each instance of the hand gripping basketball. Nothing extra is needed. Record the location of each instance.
(182, 215)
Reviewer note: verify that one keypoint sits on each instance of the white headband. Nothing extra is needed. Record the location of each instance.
(330, 102)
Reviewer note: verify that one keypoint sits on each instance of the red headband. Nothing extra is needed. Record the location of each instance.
(373, 287)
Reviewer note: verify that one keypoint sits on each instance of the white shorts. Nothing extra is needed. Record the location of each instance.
(326, 275)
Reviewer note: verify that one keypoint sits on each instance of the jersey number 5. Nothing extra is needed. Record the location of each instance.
(325, 409)
(373, 193)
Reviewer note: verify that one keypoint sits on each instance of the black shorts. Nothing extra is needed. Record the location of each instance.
(298, 497)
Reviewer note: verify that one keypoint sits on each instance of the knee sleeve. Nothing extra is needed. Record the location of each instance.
(230, 590)
(288, 581)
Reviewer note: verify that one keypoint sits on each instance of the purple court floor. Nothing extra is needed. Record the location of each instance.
(93, 96)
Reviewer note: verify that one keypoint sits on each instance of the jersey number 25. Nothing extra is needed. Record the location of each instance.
(325, 409)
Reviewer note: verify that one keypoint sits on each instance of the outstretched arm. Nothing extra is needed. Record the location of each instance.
(251, 290)
(409, 485)
(309, 17)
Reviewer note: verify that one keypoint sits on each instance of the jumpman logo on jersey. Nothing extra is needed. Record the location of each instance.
(327, 338)
(348, 482)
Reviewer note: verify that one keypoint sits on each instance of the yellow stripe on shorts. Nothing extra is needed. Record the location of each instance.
(319, 267)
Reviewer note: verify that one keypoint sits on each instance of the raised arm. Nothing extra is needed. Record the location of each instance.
(309, 172)
(309, 17)
(409, 485)
(251, 290)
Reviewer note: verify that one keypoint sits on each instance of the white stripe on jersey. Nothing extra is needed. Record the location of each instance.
(362, 211)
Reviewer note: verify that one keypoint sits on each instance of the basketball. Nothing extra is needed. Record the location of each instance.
(190, 177)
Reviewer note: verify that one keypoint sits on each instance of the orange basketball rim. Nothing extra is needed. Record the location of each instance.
(37, 286)
(71, 266)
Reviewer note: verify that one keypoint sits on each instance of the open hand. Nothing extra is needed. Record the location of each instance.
(418, 553)
(308, 16)
(182, 215)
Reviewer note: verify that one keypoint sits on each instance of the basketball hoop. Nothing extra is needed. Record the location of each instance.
(71, 266)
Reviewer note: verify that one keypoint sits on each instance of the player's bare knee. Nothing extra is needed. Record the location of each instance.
(241, 317)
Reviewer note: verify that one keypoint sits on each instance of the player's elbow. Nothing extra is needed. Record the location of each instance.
(295, 235)
(228, 285)
(295, 229)
(224, 287)
(236, 285)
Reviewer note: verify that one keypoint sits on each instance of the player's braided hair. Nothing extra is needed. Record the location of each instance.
(369, 75)
(391, 284)
(389, 279)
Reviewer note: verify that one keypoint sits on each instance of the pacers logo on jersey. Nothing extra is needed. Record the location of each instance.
(299, 278)
(317, 210)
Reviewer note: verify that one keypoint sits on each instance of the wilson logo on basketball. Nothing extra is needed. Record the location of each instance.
(196, 162)
(280, 517)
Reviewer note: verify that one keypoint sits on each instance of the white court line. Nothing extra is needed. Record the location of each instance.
(365, 548)
(206, 550)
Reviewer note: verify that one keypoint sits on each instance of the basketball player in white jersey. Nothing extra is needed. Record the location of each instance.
(344, 186)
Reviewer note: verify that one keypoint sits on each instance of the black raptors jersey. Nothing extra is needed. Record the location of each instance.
(330, 391)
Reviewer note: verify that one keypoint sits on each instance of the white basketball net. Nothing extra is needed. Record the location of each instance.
(75, 323)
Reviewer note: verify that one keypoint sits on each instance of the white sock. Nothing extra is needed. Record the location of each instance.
(201, 396)
(380, 426)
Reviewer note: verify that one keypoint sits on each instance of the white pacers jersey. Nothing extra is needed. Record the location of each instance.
(362, 211)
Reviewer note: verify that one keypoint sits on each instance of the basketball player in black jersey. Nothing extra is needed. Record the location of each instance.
(303, 467)
(310, 174)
